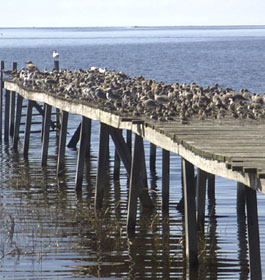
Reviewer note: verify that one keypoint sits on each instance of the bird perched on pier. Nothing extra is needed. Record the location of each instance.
(31, 67)
(55, 55)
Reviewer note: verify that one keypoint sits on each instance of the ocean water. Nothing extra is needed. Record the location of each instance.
(51, 232)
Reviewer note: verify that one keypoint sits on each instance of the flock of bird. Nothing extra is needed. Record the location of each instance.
(137, 97)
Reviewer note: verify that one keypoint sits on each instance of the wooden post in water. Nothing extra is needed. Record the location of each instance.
(102, 160)
(7, 110)
(27, 128)
(241, 199)
(253, 234)
(117, 162)
(165, 179)
(75, 138)
(1, 98)
(190, 213)
(129, 139)
(62, 142)
(12, 107)
(137, 183)
(152, 158)
(17, 121)
(46, 134)
(84, 130)
(200, 198)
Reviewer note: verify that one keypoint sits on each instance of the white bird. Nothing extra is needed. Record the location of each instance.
(55, 55)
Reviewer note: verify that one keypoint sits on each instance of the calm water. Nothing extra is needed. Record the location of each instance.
(50, 232)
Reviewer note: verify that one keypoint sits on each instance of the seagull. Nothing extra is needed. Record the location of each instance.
(55, 55)
(31, 67)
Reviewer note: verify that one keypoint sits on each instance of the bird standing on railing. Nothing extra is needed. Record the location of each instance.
(55, 55)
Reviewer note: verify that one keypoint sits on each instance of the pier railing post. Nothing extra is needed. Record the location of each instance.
(190, 213)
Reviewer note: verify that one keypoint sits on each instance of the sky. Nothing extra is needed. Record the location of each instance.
(88, 13)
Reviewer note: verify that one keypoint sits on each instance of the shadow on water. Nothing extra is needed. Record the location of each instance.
(50, 231)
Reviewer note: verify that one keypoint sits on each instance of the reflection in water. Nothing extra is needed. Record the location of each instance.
(50, 231)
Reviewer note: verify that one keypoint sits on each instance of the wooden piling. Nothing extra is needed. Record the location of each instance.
(165, 179)
(200, 198)
(46, 134)
(102, 159)
(82, 153)
(117, 164)
(1, 99)
(253, 234)
(75, 138)
(152, 157)
(7, 110)
(27, 128)
(129, 139)
(138, 180)
(241, 199)
(17, 121)
(12, 107)
(62, 142)
(190, 213)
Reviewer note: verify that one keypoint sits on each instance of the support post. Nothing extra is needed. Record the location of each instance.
(1, 98)
(190, 213)
(17, 122)
(117, 164)
(137, 183)
(46, 134)
(152, 157)
(12, 106)
(253, 234)
(165, 179)
(200, 198)
(62, 142)
(129, 139)
(75, 138)
(28, 128)
(102, 160)
(81, 153)
(7, 110)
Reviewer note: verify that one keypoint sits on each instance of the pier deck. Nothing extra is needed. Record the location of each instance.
(229, 148)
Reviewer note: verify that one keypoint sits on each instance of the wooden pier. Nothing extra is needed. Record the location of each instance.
(234, 149)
